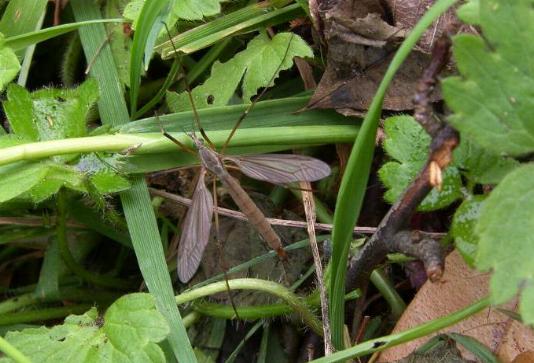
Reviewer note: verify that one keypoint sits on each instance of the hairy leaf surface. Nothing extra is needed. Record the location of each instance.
(128, 332)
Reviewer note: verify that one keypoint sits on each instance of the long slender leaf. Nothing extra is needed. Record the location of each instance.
(20, 16)
(21, 41)
(354, 183)
(274, 17)
(272, 113)
(239, 21)
(136, 202)
(382, 343)
(147, 28)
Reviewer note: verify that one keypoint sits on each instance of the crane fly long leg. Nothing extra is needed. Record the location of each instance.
(195, 230)
(281, 168)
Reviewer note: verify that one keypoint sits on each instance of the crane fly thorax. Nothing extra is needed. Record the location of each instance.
(211, 161)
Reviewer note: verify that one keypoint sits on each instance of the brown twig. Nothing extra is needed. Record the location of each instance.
(274, 221)
(393, 234)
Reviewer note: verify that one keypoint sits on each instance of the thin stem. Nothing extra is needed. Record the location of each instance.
(274, 221)
(296, 303)
(388, 292)
(382, 343)
(71, 294)
(256, 312)
(12, 352)
(44, 314)
(155, 143)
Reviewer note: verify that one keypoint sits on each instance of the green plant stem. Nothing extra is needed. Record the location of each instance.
(156, 143)
(43, 314)
(12, 352)
(71, 294)
(297, 304)
(68, 258)
(389, 341)
(260, 311)
(140, 217)
(388, 292)
(354, 182)
(191, 318)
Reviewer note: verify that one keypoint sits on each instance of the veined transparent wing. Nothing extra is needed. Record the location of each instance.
(195, 231)
(281, 168)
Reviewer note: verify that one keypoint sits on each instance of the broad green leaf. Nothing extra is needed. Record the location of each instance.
(256, 66)
(19, 111)
(470, 12)
(9, 64)
(109, 182)
(493, 98)
(482, 166)
(23, 40)
(506, 240)
(128, 332)
(50, 114)
(196, 10)
(9, 140)
(119, 41)
(463, 228)
(57, 176)
(182, 9)
(408, 144)
(20, 177)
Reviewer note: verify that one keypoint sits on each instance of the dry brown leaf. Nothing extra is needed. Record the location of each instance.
(361, 37)
(460, 287)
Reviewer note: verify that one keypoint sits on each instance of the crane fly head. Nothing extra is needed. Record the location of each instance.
(199, 143)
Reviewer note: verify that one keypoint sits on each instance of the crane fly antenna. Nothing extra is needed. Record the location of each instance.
(189, 93)
(262, 93)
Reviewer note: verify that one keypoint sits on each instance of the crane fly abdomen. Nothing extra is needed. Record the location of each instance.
(253, 213)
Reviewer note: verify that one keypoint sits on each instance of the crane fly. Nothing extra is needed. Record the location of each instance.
(273, 168)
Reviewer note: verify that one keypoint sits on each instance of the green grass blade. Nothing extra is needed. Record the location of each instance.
(20, 16)
(19, 42)
(144, 34)
(354, 183)
(271, 113)
(136, 202)
(242, 20)
(382, 343)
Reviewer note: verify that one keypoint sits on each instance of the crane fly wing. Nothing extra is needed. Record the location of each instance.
(281, 168)
(195, 231)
